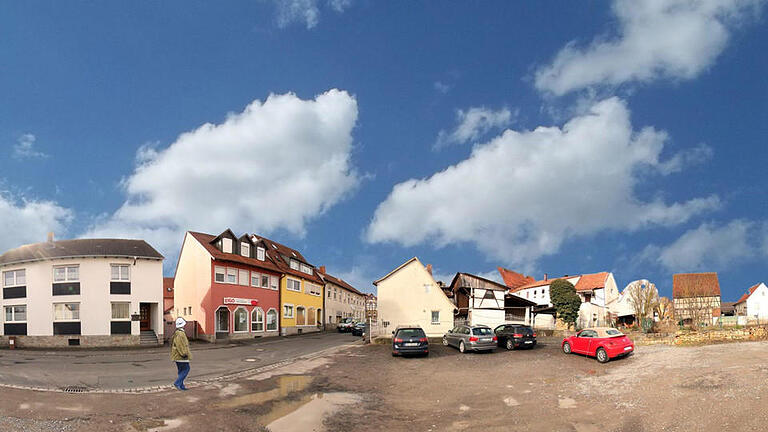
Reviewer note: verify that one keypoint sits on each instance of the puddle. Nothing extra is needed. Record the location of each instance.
(286, 385)
(300, 367)
(168, 425)
(310, 414)
(510, 401)
(229, 390)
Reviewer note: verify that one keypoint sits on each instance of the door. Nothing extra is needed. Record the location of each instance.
(145, 318)
(581, 342)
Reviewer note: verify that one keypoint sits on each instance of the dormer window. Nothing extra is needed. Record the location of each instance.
(294, 264)
(260, 253)
(245, 249)
(226, 245)
(306, 269)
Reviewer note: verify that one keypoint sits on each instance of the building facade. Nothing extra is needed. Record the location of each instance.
(480, 301)
(85, 292)
(409, 295)
(228, 285)
(301, 289)
(696, 298)
(342, 300)
(754, 303)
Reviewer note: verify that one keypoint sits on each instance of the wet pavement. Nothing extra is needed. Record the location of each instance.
(145, 368)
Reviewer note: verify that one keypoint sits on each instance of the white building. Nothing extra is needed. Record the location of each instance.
(86, 292)
(754, 303)
(342, 300)
(480, 301)
(409, 295)
(596, 290)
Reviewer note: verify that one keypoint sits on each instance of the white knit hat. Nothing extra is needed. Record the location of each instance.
(180, 322)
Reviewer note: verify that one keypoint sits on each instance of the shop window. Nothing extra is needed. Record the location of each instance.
(257, 320)
(241, 320)
(222, 320)
(271, 320)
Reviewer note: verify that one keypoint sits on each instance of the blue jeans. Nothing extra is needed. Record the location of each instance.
(183, 368)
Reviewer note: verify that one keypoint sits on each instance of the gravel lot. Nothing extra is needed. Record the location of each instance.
(711, 388)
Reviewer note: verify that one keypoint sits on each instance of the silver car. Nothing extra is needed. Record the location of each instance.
(472, 338)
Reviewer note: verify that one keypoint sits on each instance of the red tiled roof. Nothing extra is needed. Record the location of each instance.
(277, 251)
(340, 282)
(542, 282)
(695, 285)
(167, 283)
(513, 279)
(206, 239)
(747, 294)
(593, 281)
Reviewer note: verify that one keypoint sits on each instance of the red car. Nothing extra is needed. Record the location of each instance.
(604, 343)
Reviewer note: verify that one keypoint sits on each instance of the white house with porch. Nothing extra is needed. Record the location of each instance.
(480, 301)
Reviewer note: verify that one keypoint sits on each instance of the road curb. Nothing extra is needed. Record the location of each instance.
(190, 384)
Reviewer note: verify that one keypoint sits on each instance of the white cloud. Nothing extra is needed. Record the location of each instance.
(442, 87)
(694, 156)
(709, 247)
(305, 11)
(656, 38)
(24, 221)
(473, 124)
(521, 195)
(25, 148)
(276, 165)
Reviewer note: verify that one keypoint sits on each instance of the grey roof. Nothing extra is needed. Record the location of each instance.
(80, 248)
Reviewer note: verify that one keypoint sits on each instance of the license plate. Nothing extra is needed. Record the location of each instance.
(528, 341)
(629, 348)
(485, 340)
(411, 344)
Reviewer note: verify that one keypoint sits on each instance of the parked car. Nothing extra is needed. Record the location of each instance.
(345, 325)
(472, 338)
(603, 343)
(409, 340)
(358, 329)
(514, 336)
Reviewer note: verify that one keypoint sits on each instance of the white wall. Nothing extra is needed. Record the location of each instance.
(757, 303)
(146, 278)
(489, 317)
(408, 297)
(192, 280)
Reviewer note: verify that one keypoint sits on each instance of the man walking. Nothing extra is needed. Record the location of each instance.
(180, 353)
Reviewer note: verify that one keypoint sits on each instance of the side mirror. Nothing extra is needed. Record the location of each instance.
(393, 332)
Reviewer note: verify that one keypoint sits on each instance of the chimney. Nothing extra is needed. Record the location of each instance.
(50, 236)
(545, 276)
(429, 268)
(322, 269)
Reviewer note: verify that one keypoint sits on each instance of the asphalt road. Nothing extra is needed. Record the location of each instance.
(139, 368)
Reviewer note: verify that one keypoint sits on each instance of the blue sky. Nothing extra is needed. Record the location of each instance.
(546, 137)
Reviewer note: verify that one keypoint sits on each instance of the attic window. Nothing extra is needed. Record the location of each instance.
(226, 245)
(245, 249)
(260, 253)
(273, 245)
(293, 253)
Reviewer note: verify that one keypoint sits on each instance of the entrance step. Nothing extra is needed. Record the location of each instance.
(148, 337)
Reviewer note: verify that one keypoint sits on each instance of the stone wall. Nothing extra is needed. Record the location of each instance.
(62, 341)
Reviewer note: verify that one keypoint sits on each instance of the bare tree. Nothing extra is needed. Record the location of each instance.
(644, 298)
(694, 303)
(665, 310)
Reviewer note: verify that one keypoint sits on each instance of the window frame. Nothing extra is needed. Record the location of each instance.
(216, 319)
(66, 320)
(247, 278)
(266, 320)
(432, 317)
(231, 269)
(256, 275)
(292, 309)
(274, 283)
(13, 319)
(234, 320)
(258, 312)
(15, 277)
(297, 315)
(226, 243)
(245, 246)
(260, 253)
(112, 311)
(287, 285)
(67, 269)
(294, 264)
(119, 272)
(223, 274)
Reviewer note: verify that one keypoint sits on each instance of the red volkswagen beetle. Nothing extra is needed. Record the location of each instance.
(604, 343)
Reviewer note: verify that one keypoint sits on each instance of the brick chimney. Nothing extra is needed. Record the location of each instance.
(545, 276)
(50, 236)
(322, 269)
(429, 268)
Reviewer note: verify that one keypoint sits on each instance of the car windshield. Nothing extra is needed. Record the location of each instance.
(613, 332)
(411, 333)
(482, 331)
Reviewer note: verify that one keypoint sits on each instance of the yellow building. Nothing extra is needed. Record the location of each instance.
(301, 290)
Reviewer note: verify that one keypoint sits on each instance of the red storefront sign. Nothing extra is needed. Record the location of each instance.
(240, 301)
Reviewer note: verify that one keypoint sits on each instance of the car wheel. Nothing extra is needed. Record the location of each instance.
(510, 345)
(567, 348)
(602, 355)
(445, 341)
(462, 348)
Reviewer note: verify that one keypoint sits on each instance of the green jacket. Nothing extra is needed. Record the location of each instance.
(180, 346)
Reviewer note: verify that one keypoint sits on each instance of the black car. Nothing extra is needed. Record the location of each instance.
(358, 329)
(514, 336)
(409, 340)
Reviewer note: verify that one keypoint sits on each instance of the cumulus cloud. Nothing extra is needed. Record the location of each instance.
(709, 247)
(521, 195)
(473, 124)
(276, 165)
(305, 11)
(25, 148)
(656, 38)
(24, 221)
